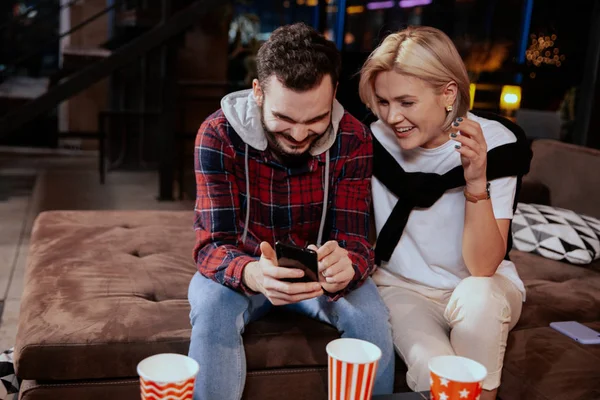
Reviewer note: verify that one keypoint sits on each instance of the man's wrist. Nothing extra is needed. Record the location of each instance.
(248, 276)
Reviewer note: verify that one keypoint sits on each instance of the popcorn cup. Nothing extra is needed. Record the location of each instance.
(352, 368)
(167, 376)
(456, 378)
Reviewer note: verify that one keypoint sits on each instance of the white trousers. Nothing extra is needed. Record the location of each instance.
(472, 321)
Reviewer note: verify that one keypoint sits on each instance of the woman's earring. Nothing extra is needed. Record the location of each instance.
(448, 108)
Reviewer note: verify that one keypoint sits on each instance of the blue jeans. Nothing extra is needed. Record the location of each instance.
(220, 314)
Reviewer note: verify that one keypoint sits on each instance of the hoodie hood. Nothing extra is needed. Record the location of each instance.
(243, 114)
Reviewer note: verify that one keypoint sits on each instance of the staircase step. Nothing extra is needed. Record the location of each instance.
(18, 90)
(23, 87)
(76, 58)
(88, 52)
(138, 18)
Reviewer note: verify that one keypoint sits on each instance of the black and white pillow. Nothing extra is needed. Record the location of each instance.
(9, 389)
(556, 233)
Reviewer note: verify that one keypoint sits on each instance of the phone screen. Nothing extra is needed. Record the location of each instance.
(291, 256)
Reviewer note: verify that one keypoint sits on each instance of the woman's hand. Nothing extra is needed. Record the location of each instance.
(473, 152)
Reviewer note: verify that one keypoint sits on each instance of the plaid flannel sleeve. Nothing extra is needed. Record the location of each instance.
(351, 211)
(218, 250)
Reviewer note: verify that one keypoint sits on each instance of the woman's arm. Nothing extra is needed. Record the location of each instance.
(484, 237)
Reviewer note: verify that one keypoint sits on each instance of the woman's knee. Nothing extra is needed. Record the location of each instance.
(417, 375)
(480, 298)
(476, 285)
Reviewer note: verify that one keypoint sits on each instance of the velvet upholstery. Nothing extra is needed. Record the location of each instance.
(104, 289)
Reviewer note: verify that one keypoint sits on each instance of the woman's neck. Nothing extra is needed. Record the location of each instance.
(437, 141)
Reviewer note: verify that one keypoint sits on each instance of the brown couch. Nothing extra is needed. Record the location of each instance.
(105, 289)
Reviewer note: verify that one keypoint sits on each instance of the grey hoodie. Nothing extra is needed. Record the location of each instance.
(243, 114)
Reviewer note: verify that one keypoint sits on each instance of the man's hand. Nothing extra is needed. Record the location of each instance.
(264, 276)
(335, 267)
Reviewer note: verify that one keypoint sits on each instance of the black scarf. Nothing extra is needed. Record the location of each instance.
(421, 189)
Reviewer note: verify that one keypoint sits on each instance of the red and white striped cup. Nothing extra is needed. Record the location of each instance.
(456, 378)
(352, 368)
(167, 376)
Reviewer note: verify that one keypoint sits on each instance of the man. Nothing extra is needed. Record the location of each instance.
(282, 162)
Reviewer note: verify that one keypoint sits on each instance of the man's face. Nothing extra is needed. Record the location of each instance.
(294, 121)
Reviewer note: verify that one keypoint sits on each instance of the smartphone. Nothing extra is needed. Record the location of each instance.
(291, 256)
(577, 331)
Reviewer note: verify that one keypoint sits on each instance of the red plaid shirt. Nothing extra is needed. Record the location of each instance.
(285, 203)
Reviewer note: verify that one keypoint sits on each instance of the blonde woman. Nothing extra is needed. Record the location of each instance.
(444, 190)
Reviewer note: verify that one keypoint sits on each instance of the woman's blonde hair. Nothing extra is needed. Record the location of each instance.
(422, 52)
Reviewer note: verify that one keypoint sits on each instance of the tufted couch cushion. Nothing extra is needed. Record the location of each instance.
(557, 291)
(106, 289)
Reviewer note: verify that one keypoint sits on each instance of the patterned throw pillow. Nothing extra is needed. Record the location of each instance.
(556, 233)
(9, 389)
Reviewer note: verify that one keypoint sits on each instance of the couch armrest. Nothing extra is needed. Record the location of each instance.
(534, 191)
(571, 174)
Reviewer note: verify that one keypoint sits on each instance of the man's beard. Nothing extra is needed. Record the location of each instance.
(289, 159)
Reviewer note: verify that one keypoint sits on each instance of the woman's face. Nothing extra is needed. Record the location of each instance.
(412, 108)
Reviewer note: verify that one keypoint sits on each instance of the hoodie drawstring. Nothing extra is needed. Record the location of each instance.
(325, 197)
(247, 198)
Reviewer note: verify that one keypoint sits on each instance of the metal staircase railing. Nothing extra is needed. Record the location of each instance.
(76, 28)
(167, 29)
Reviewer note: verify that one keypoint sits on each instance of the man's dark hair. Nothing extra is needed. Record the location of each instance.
(299, 57)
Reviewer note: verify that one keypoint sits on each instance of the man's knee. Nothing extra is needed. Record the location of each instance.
(365, 312)
(212, 303)
(367, 299)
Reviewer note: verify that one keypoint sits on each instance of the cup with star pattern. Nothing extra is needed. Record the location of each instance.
(456, 378)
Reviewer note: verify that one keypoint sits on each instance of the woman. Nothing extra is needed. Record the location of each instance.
(443, 207)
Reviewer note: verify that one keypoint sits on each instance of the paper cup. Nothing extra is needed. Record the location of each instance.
(168, 377)
(352, 368)
(456, 378)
